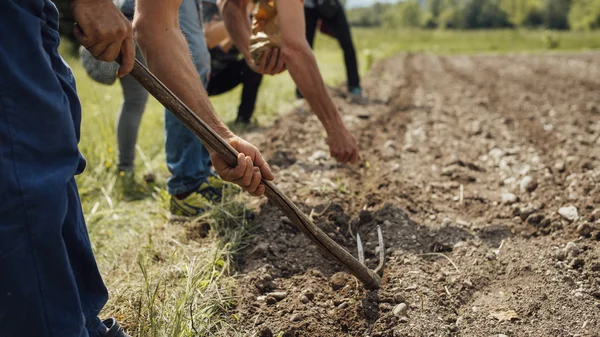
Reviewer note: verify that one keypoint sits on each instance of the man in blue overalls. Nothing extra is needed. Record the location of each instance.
(50, 285)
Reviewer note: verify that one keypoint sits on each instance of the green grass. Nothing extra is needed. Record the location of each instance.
(163, 279)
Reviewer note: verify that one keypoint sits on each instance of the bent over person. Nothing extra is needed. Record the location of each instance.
(50, 285)
(295, 55)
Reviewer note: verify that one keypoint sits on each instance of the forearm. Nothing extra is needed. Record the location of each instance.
(303, 68)
(168, 57)
(237, 22)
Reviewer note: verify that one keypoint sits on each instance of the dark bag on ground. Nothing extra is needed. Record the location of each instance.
(327, 8)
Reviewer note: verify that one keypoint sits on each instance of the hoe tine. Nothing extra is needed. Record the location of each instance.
(361, 251)
(381, 250)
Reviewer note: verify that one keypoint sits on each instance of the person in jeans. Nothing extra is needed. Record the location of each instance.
(192, 185)
(50, 285)
(227, 70)
(337, 26)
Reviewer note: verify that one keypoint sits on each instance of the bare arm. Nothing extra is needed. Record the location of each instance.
(156, 28)
(302, 65)
(237, 22)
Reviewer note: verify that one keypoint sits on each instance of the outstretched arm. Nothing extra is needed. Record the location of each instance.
(237, 22)
(156, 29)
(302, 65)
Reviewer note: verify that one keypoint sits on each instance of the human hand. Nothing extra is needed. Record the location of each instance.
(251, 167)
(103, 30)
(342, 145)
(270, 63)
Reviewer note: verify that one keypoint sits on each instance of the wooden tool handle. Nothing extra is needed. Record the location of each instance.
(212, 140)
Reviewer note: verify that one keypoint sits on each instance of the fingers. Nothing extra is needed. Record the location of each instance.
(279, 63)
(127, 57)
(250, 169)
(111, 52)
(262, 66)
(256, 156)
(271, 62)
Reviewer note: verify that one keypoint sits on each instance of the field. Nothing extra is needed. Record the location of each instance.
(465, 155)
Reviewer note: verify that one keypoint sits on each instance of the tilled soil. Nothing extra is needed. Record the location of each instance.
(466, 161)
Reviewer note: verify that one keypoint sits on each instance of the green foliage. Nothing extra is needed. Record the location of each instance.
(551, 40)
(485, 14)
(556, 14)
(481, 14)
(584, 14)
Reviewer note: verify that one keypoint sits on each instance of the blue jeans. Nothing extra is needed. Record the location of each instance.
(187, 158)
(49, 282)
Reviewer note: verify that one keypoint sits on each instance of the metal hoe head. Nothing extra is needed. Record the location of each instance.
(361, 251)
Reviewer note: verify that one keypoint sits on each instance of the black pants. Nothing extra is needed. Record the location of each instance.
(229, 78)
(341, 29)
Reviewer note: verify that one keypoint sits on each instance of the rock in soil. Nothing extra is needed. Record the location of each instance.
(279, 295)
(339, 280)
(572, 250)
(568, 212)
(400, 309)
(584, 229)
(509, 198)
(296, 317)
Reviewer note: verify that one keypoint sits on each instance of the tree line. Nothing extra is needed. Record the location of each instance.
(480, 14)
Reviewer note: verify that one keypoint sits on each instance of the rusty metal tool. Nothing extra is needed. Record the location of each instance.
(210, 138)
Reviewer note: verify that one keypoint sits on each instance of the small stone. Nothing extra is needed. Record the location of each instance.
(265, 332)
(459, 244)
(271, 300)
(303, 299)
(399, 298)
(400, 309)
(509, 198)
(568, 212)
(559, 166)
(403, 320)
(584, 229)
(491, 256)
(578, 294)
(446, 223)
(577, 263)
(535, 219)
(527, 184)
(596, 294)
(339, 280)
(502, 335)
(296, 317)
(279, 295)
(497, 153)
(387, 223)
(318, 155)
(569, 280)
(309, 294)
(572, 250)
